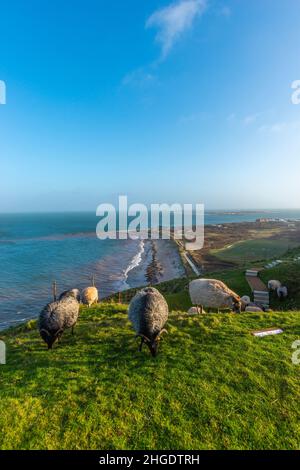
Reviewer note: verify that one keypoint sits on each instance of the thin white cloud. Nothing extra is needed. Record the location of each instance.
(172, 21)
(139, 78)
(280, 127)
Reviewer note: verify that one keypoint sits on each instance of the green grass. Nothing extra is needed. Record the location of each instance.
(289, 275)
(212, 386)
(177, 294)
(254, 250)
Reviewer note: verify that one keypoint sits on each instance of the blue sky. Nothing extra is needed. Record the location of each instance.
(186, 101)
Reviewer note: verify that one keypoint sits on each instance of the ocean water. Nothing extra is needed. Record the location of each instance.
(35, 249)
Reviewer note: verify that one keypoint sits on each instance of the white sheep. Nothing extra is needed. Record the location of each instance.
(253, 309)
(89, 296)
(274, 285)
(282, 292)
(212, 293)
(245, 300)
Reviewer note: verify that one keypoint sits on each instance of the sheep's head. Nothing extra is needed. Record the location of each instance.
(237, 306)
(152, 344)
(50, 338)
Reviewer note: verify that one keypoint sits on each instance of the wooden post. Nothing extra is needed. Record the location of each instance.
(120, 298)
(54, 291)
(93, 280)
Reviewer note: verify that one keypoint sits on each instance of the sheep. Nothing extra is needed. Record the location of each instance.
(75, 293)
(195, 311)
(90, 296)
(245, 300)
(253, 309)
(212, 293)
(56, 317)
(274, 285)
(148, 312)
(282, 292)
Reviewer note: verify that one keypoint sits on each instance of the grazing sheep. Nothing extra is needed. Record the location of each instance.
(148, 312)
(253, 309)
(56, 317)
(274, 285)
(212, 293)
(90, 296)
(282, 292)
(245, 300)
(75, 293)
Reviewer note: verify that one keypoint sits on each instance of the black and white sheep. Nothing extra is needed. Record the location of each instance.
(56, 317)
(282, 292)
(211, 293)
(148, 312)
(75, 293)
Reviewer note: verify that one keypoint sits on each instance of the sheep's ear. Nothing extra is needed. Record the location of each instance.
(59, 332)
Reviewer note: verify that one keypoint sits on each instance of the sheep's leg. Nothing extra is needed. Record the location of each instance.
(141, 345)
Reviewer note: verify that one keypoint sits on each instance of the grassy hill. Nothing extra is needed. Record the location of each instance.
(254, 250)
(212, 386)
(177, 296)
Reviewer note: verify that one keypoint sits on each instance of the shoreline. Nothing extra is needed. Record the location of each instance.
(160, 261)
(153, 261)
(134, 264)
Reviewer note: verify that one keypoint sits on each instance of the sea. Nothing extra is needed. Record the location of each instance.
(36, 249)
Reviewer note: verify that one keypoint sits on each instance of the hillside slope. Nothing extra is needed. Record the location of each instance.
(212, 386)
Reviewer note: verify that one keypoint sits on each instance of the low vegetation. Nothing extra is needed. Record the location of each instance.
(254, 250)
(212, 386)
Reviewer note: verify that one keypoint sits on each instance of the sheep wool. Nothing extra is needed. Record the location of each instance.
(282, 292)
(274, 285)
(75, 293)
(56, 317)
(148, 312)
(253, 309)
(212, 293)
(90, 296)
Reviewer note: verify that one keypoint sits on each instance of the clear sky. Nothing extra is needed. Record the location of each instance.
(186, 101)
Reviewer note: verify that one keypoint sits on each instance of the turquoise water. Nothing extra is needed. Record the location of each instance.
(35, 249)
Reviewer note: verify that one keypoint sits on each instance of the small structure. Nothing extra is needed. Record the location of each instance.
(260, 291)
(267, 332)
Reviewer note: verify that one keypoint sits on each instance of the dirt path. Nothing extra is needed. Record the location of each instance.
(256, 284)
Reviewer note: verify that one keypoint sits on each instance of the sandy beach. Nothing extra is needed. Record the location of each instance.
(160, 261)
